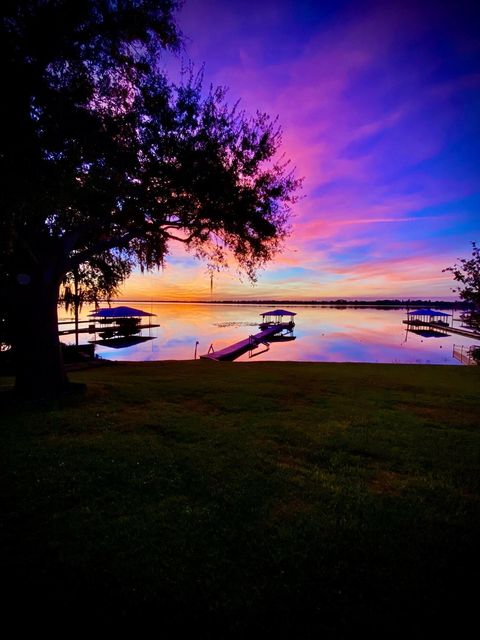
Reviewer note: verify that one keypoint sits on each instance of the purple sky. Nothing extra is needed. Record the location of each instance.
(379, 104)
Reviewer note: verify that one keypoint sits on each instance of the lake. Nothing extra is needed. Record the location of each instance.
(323, 334)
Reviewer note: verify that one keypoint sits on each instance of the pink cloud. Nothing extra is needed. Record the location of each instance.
(364, 124)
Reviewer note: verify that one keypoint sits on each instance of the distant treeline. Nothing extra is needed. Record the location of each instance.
(340, 302)
(402, 304)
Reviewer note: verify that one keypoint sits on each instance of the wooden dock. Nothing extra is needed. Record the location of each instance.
(98, 329)
(249, 344)
(464, 332)
(443, 327)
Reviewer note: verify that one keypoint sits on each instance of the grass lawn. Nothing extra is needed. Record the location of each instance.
(291, 499)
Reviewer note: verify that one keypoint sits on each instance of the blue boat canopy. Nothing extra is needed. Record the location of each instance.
(427, 312)
(119, 312)
(278, 312)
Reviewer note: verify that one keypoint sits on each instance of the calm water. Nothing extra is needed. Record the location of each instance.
(323, 334)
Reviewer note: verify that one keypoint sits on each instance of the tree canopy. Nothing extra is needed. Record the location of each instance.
(105, 161)
(467, 273)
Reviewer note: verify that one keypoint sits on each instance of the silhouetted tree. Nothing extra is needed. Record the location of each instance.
(95, 280)
(99, 278)
(6, 339)
(467, 273)
(5, 322)
(101, 153)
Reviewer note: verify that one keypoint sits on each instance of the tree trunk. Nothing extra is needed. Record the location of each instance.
(39, 364)
(76, 304)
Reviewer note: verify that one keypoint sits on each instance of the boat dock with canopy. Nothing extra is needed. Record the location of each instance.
(276, 317)
(273, 329)
(120, 322)
(436, 320)
(428, 317)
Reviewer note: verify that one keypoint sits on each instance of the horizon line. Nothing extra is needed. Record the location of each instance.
(344, 301)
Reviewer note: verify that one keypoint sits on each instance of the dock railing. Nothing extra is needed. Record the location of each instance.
(464, 354)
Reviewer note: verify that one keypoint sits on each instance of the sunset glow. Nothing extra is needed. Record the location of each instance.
(379, 106)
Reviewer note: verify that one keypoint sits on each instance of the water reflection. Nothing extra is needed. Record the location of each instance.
(123, 342)
(323, 334)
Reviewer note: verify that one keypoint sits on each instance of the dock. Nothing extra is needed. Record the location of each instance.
(442, 327)
(249, 344)
(464, 332)
(97, 329)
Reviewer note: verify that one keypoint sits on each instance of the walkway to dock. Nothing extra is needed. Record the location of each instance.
(464, 332)
(238, 348)
(444, 327)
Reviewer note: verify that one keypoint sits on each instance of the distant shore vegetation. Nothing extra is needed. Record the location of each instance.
(340, 302)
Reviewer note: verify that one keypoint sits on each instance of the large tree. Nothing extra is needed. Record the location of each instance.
(467, 273)
(102, 155)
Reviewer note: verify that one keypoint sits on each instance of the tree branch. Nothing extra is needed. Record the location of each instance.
(101, 246)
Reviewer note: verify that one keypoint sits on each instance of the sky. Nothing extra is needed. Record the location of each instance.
(379, 103)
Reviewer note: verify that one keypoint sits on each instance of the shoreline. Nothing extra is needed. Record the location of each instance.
(340, 303)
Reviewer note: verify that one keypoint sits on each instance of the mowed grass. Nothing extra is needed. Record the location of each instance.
(290, 499)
